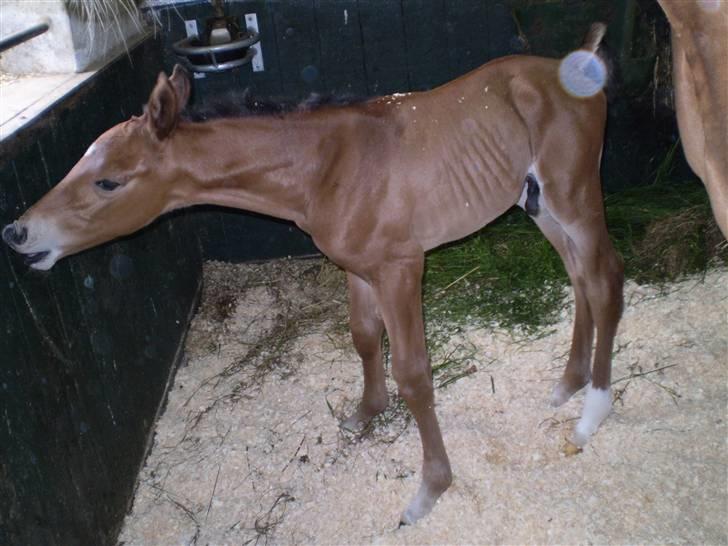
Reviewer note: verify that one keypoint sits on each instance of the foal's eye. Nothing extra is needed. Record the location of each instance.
(107, 185)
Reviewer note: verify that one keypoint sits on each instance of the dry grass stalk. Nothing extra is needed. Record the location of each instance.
(108, 15)
(680, 243)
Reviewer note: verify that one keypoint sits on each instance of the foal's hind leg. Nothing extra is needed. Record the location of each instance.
(600, 272)
(578, 367)
(603, 278)
(367, 328)
(579, 232)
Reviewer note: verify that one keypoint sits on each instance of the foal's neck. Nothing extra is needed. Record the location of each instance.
(261, 164)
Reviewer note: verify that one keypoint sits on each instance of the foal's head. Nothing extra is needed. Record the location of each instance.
(118, 186)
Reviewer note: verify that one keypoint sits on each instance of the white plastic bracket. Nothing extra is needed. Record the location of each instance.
(251, 21)
(191, 28)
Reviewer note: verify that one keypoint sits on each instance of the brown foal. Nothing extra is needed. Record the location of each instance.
(700, 78)
(377, 184)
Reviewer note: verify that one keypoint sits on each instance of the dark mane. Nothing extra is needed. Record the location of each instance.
(237, 105)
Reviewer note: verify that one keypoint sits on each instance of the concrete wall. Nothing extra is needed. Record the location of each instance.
(72, 43)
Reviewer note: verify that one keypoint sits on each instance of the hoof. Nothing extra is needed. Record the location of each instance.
(559, 396)
(564, 390)
(354, 423)
(580, 438)
(360, 419)
(597, 405)
(418, 508)
(422, 503)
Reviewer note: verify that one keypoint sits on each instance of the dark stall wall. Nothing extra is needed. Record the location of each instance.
(86, 349)
(374, 47)
(354, 47)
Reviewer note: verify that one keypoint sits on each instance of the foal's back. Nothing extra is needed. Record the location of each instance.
(442, 164)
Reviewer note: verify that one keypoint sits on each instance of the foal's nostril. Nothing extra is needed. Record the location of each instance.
(15, 234)
(8, 233)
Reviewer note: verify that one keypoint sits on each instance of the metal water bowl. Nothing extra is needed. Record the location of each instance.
(199, 57)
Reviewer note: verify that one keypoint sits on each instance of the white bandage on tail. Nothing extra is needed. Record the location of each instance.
(582, 74)
(597, 405)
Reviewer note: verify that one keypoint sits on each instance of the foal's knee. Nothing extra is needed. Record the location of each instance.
(367, 337)
(414, 380)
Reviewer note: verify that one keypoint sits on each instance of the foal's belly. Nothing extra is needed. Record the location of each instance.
(451, 212)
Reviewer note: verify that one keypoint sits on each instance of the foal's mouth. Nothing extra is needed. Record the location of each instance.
(36, 257)
(41, 260)
(36, 244)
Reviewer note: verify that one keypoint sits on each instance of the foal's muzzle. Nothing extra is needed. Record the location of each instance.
(14, 234)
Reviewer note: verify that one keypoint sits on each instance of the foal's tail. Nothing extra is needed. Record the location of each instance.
(594, 37)
(593, 43)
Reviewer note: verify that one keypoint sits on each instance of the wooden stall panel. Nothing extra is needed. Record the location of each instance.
(89, 344)
(504, 36)
(297, 42)
(385, 46)
(468, 36)
(341, 47)
(427, 36)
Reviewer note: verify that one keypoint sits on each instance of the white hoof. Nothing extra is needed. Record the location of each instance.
(597, 405)
(419, 506)
(559, 396)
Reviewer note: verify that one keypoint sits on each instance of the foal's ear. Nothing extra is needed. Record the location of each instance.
(180, 81)
(168, 99)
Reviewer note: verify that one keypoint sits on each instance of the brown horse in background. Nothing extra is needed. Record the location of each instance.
(376, 185)
(700, 79)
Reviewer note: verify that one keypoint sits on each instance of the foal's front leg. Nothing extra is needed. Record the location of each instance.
(398, 289)
(367, 328)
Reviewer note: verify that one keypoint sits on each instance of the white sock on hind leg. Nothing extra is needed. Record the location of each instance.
(597, 405)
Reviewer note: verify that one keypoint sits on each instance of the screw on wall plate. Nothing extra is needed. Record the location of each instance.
(191, 27)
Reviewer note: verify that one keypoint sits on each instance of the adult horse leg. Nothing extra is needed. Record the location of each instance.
(398, 286)
(367, 328)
